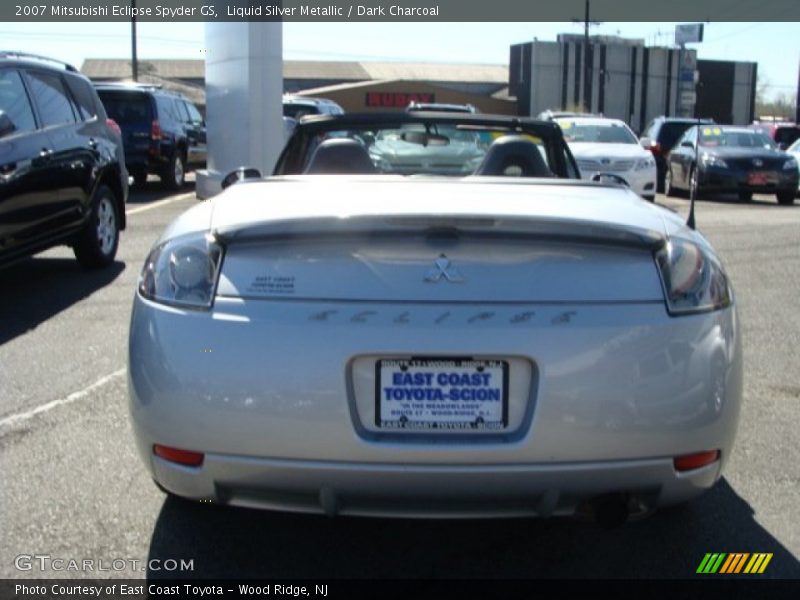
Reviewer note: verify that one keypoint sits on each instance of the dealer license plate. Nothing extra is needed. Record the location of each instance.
(441, 394)
(762, 178)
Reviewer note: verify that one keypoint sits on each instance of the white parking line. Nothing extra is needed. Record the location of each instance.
(152, 205)
(9, 422)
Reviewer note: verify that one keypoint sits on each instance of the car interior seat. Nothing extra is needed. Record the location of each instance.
(513, 155)
(342, 156)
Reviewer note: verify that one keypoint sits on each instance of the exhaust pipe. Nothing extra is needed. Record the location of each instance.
(610, 510)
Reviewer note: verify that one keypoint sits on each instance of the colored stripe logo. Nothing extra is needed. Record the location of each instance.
(734, 563)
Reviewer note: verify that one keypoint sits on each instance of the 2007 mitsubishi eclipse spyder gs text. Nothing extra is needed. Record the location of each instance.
(375, 330)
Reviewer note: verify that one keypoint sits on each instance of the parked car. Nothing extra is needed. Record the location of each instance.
(297, 107)
(731, 159)
(602, 145)
(660, 136)
(62, 168)
(163, 132)
(783, 133)
(333, 339)
(553, 115)
(441, 107)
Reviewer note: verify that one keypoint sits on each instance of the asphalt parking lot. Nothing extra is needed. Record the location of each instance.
(73, 487)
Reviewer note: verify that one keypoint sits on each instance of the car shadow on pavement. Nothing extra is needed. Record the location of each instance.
(237, 543)
(36, 288)
(153, 191)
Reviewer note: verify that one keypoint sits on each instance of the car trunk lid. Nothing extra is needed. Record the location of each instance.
(486, 242)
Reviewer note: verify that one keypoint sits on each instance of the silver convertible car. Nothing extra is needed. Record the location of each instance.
(510, 342)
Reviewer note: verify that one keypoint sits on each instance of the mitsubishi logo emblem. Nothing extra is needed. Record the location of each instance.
(443, 269)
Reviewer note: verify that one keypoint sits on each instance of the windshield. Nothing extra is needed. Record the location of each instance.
(734, 138)
(421, 145)
(613, 133)
(416, 149)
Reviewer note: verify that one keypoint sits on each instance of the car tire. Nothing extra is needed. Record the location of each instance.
(785, 198)
(139, 178)
(174, 175)
(746, 196)
(669, 189)
(96, 246)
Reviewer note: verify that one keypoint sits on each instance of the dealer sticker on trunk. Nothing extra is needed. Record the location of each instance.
(459, 394)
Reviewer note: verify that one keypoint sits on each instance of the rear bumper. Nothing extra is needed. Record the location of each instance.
(361, 489)
(142, 162)
(271, 393)
(152, 159)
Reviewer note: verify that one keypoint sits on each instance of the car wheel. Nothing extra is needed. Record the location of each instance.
(785, 198)
(669, 189)
(96, 245)
(746, 196)
(174, 175)
(139, 178)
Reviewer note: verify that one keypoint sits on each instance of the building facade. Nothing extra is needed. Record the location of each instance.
(629, 81)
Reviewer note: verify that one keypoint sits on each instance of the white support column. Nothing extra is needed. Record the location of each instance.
(244, 86)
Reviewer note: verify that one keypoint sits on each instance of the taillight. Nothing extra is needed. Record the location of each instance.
(655, 148)
(690, 462)
(176, 455)
(155, 130)
(694, 280)
(112, 125)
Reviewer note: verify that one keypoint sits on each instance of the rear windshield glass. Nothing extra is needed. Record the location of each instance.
(428, 149)
(296, 111)
(127, 108)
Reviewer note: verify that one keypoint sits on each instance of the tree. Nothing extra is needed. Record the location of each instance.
(780, 105)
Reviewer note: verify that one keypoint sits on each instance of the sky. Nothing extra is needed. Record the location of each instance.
(774, 46)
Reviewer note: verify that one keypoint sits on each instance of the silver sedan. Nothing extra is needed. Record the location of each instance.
(367, 344)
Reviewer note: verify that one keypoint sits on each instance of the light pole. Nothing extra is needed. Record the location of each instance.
(134, 61)
(587, 99)
(797, 99)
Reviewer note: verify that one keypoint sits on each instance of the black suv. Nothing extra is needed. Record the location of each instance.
(62, 168)
(660, 136)
(163, 132)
